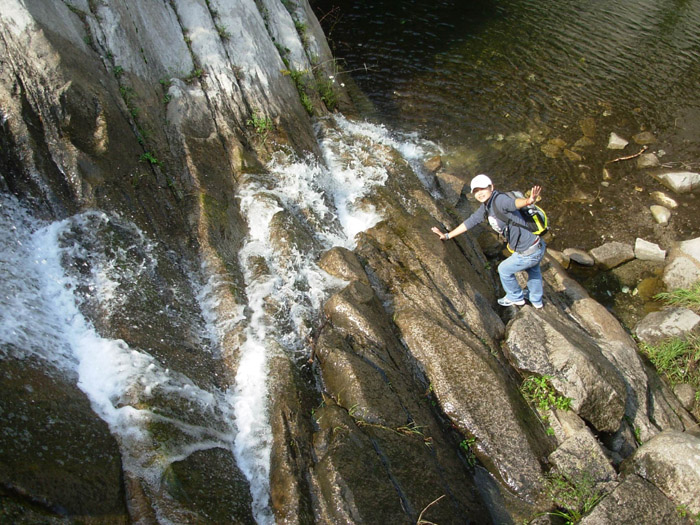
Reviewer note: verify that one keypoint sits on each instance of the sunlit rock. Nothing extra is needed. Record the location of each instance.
(671, 462)
(344, 264)
(680, 181)
(661, 215)
(635, 500)
(648, 160)
(664, 200)
(579, 256)
(665, 324)
(547, 344)
(648, 251)
(451, 186)
(616, 142)
(612, 254)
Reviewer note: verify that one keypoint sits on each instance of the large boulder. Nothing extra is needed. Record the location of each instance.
(462, 374)
(548, 344)
(671, 462)
(635, 501)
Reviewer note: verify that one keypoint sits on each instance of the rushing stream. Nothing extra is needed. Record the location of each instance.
(53, 273)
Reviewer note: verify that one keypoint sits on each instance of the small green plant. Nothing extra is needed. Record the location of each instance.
(539, 390)
(685, 297)
(223, 32)
(325, 90)
(263, 125)
(298, 80)
(150, 158)
(117, 71)
(678, 360)
(684, 512)
(574, 496)
(466, 446)
(196, 73)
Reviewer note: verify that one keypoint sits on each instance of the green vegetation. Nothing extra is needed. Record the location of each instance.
(687, 298)
(676, 359)
(298, 79)
(196, 73)
(223, 31)
(539, 391)
(325, 89)
(574, 497)
(118, 71)
(263, 125)
(684, 512)
(166, 83)
(150, 158)
(466, 446)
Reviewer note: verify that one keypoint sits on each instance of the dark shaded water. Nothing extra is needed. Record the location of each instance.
(492, 82)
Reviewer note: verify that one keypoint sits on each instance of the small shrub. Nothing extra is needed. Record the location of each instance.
(574, 496)
(150, 158)
(539, 390)
(325, 90)
(118, 71)
(263, 125)
(196, 73)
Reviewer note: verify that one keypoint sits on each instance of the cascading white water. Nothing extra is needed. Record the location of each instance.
(50, 269)
(326, 200)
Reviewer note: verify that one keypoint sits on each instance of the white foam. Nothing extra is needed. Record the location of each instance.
(40, 317)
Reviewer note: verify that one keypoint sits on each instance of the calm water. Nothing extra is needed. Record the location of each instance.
(494, 81)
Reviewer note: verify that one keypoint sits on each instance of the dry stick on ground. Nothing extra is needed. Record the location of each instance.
(628, 157)
(421, 521)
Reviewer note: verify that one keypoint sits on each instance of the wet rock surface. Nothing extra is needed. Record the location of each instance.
(58, 456)
(410, 405)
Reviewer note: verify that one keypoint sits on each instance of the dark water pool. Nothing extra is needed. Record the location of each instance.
(494, 81)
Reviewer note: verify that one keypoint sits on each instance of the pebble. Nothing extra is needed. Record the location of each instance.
(616, 141)
(661, 214)
(664, 200)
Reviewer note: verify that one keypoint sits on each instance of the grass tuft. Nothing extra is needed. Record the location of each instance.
(685, 297)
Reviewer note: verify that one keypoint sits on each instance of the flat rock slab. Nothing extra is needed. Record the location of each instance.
(680, 181)
(648, 251)
(635, 501)
(612, 254)
(672, 322)
(581, 257)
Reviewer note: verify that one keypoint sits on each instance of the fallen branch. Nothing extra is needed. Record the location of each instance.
(421, 521)
(644, 148)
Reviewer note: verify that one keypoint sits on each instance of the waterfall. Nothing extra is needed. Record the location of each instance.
(53, 272)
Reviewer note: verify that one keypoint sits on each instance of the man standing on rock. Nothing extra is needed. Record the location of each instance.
(528, 248)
